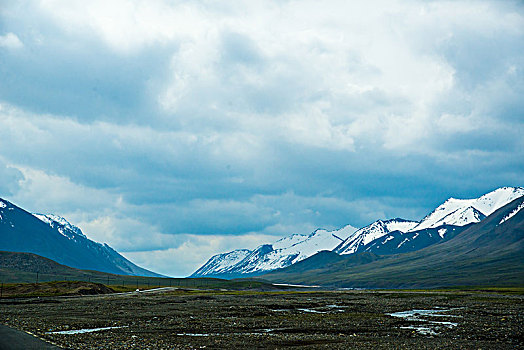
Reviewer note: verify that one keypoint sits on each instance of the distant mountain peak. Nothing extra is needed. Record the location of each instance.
(461, 217)
(284, 252)
(371, 232)
(460, 212)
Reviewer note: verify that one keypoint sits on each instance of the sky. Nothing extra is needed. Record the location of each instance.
(175, 130)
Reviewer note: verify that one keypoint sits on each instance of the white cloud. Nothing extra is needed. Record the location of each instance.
(329, 71)
(321, 75)
(10, 41)
(127, 26)
(40, 191)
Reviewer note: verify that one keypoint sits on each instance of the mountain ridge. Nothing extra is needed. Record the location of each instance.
(373, 231)
(487, 253)
(55, 238)
(444, 222)
(485, 204)
(283, 252)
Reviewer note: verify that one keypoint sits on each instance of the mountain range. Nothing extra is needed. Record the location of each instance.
(53, 237)
(488, 253)
(382, 237)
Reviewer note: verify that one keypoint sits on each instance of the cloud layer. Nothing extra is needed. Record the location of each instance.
(159, 127)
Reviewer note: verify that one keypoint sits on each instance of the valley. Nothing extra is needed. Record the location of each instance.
(456, 245)
(262, 175)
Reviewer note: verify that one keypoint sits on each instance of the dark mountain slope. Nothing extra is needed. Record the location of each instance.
(326, 260)
(488, 253)
(20, 231)
(398, 242)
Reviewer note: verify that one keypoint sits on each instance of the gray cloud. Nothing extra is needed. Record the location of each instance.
(255, 120)
(11, 178)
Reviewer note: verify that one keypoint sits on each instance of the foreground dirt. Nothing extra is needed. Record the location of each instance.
(249, 320)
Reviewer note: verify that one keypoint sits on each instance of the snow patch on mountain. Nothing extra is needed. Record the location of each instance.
(389, 238)
(289, 241)
(2, 205)
(289, 251)
(221, 262)
(63, 226)
(460, 212)
(512, 214)
(372, 232)
(404, 241)
(461, 217)
(282, 253)
(319, 240)
(400, 225)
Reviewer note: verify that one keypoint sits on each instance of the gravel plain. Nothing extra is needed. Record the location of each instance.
(184, 319)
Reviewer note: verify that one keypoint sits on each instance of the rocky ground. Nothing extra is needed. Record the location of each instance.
(273, 320)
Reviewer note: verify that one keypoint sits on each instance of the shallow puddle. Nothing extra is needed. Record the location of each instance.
(261, 332)
(313, 311)
(430, 327)
(84, 330)
(318, 310)
(424, 330)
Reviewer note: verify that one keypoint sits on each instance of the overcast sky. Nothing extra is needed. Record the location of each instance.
(175, 130)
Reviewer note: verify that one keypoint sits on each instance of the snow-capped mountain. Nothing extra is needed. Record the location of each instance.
(372, 232)
(282, 253)
(443, 223)
(460, 212)
(55, 238)
(380, 237)
(486, 253)
(402, 242)
(221, 263)
(63, 226)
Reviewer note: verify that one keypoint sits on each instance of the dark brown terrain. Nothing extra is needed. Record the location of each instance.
(184, 319)
(57, 288)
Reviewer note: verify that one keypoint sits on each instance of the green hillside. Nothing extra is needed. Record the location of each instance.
(16, 268)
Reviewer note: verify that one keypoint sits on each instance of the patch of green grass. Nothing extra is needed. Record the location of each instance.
(498, 290)
(484, 289)
(464, 290)
(228, 292)
(493, 299)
